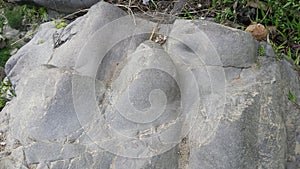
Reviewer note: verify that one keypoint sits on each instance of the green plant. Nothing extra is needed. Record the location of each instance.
(223, 16)
(283, 16)
(261, 50)
(14, 16)
(297, 60)
(155, 5)
(224, 10)
(60, 23)
(6, 92)
(292, 96)
(4, 4)
(2, 102)
(4, 56)
(33, 14)
(188, 14)
(2, 21)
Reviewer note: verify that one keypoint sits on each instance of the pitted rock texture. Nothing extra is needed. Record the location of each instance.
(92, 101)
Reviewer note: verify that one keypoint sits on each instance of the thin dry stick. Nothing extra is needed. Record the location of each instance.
(82, 10)
(153, 32)
(12, 44)
(266, 14)
(126, 6)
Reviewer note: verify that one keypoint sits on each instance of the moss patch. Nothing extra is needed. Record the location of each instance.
(4, 56)
(14, 16)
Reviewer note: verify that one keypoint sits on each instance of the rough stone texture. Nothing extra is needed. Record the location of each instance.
(243, 48)
(66, 6)
(268, 49)
(61, 56)
(73, 92)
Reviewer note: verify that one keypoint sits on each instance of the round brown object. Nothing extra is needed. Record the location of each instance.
(258, 31)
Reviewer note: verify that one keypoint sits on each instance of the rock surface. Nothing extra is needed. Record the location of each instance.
(66, 6)
(100, 94)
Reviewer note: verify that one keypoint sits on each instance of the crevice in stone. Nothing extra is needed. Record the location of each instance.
(48, 165)
(24, 159)
(73, 137)
(5, 154)
(32, 166)
(239, 75)
(63, 69)
(16, 144)
(184, 153)
(70, 162)
(51, 57)
(236, 67)
(58, 39)
(112, 165)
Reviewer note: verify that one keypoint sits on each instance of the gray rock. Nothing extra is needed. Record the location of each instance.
(10, 33)
(60, 56)
(25, 55)
(66, 6)
(3, 42)
(100, 94)
(243, 49)
(267, 49)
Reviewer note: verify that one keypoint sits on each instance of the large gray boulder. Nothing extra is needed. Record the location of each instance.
(100, 94)
(66, 6)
